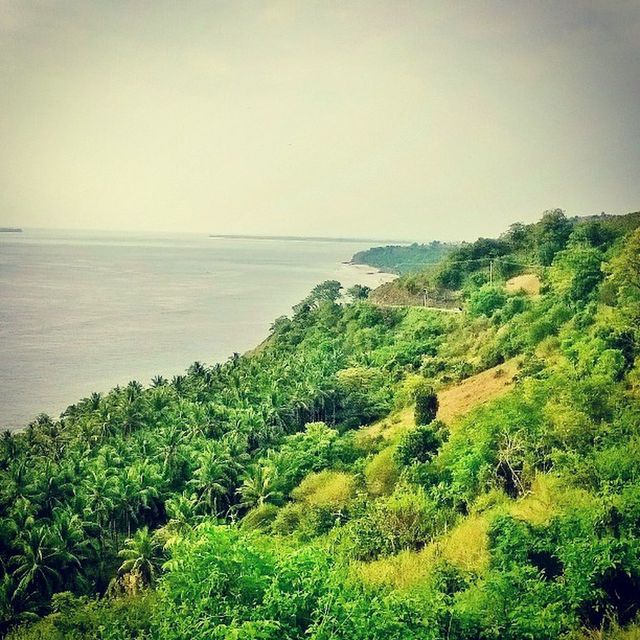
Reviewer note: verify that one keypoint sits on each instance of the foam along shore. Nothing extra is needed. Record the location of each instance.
(350, 273)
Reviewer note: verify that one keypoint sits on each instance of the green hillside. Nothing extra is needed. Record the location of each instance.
(370, 472)
(403, 258)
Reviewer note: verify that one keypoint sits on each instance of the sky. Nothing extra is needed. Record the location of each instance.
(397, 119)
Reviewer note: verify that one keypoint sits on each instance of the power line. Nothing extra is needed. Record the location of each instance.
(497, 259)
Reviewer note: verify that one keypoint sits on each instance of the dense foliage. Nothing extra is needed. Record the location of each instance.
(404, 258)
(521, 249)
(248, 499)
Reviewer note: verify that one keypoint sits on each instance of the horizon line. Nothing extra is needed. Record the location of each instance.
(247, 236)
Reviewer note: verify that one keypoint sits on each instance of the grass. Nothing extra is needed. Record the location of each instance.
(326, 489)
(549, 496)
(465, 547)
(615, 632)
(455, 401)
(458, 400)
(401, 571)
(382, 472)
(387, 430)
(528, 283)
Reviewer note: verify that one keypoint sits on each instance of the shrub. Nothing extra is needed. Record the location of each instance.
(406, 519)
(304, 520)
(260, 517)
(381, 473)
(426, 404)
(486, 300)
(331, 489)
(421, 444)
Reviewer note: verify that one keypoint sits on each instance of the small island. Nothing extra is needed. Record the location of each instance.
(10, 230)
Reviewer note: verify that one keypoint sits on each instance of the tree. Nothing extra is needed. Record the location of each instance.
(181, 512)
(359, 292)
(158, 381)
(624, 276)
(426, 404)
(142, 556)
(259, 486)
(211, 479)
(327, 291)
(420, 444)
(486, 300)
(517, 235)
(551, 235)
(36, 565)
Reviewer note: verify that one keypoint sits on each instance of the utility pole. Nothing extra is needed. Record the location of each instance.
(425, 297)
(491, 271)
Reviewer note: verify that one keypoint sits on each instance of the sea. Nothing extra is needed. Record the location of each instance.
(85, 311)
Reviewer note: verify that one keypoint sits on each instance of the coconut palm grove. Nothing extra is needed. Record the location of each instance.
(454, 457)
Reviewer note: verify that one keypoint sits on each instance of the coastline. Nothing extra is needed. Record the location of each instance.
(376, 276)
(170, 306)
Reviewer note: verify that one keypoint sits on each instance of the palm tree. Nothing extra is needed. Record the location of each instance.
(197, 369)
(181, 512)
(172, 439)
(36, 566)
(8, 448)
(179, 384)
(55, 488)
(211, 479)
(68, 536)
(99, 492)
(15, 607)
(92, 403)
(259, 486)
(142, 557)
(158, 381)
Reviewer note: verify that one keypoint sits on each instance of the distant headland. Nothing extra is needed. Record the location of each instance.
(10, 230)
(224, 236)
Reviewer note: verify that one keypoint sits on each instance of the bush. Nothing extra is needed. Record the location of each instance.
(420, 444)
(486, 300)
(260, 517)
(404, 520)
(426, 404)
(304, 520)
(331, 489)
(382, 473)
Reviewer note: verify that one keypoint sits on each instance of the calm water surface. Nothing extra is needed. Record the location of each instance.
(82, 312)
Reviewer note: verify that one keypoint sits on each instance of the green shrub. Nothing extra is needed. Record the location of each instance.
(486, 300)
(421, 444)
(426, 404)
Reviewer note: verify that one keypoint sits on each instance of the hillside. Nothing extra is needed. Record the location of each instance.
(523, 251)
(403, 258)
(371, 471)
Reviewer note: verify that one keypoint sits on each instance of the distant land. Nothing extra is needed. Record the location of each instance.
(10, 230)
(302, 238)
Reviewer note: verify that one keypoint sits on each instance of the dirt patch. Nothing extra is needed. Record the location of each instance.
(476, 390)
(395, 294)
(388, 429)
(454, 402)
(528, 283)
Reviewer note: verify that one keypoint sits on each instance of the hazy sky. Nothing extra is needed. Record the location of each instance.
(379, 119)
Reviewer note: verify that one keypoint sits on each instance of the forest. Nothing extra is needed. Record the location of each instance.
(369, 471)
(404, 258)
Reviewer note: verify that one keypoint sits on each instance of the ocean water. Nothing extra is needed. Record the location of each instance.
(85, 311)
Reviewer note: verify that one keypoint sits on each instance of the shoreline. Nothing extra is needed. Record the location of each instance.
(370, 270)
(346, 272)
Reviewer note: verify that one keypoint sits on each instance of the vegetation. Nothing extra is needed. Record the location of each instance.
(251, 500)
(404, 258)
